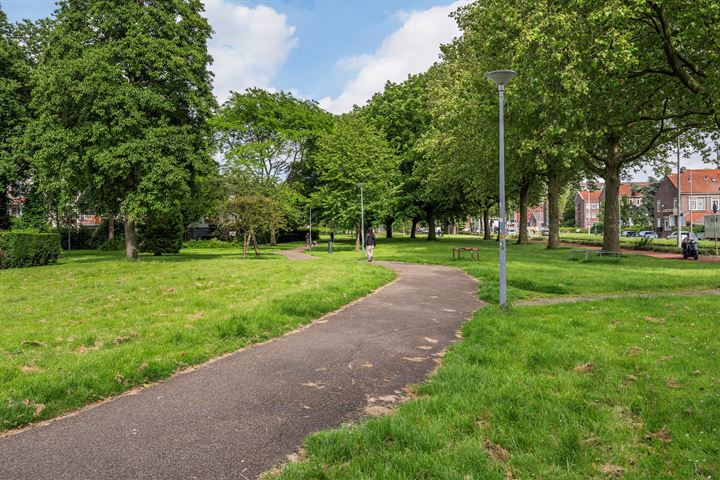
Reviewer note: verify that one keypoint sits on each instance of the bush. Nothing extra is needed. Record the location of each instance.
(28, 249)
(212, 243)
(160, 233)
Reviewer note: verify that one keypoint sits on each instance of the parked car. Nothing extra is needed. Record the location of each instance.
(674, 236)
(545, 232)
(629, 233)
(647, 234)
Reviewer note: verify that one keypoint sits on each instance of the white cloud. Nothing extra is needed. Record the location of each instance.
(411, 49)
(249, 45)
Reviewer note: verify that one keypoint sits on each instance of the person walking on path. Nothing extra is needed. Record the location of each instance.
(370, 243)
(308, 240)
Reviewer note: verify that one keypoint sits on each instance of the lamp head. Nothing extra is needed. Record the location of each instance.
(501, 77)
(361, 184)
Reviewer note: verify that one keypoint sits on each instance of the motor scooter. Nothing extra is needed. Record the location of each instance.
(689, 248)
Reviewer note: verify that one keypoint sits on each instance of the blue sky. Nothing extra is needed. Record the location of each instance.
(338, 52)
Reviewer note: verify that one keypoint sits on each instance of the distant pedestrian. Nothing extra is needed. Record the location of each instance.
(308, 240)
(330, 243)
(370, 243)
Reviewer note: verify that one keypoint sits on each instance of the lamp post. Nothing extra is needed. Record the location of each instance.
(690, 200)
(679, 219)
(311, 240)
(362, 217)
(501, 78)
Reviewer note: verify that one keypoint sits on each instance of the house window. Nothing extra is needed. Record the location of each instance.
(715, 203)
(674, 203)
(659, 223)
(658, 207)
(667, 223)
(697, 203)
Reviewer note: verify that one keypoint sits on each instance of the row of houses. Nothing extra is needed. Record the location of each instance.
(699, 196)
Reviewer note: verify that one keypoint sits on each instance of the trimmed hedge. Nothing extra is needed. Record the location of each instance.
(28, 249)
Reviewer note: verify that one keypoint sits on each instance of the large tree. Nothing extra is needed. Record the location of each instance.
(14, 96)
(350, 153)
(123, 97)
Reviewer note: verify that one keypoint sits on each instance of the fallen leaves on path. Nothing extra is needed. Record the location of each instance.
(415, 359)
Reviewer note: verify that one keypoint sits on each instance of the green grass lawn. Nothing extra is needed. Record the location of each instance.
(534, 271)
(610, 389)
(95, 324)
(596, 390)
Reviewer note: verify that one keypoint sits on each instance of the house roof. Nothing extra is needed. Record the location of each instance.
(590, 196)
(626, 189)
(703, 181)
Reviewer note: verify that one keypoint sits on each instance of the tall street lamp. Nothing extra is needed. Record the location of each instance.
(501, 78)
(679, 208)
(362, 217)
(311, 240)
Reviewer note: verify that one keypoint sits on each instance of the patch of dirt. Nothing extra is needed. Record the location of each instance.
(496, 452)
(169, 290)
(590, 441)
(613, 471)
(585, 367)
(37, 407)
(297, 456)
(634, 351)
(377, 410)
(30, 369)
(672, 383)
(196, 316)
(657, 321)
(630, 379)
(84, 349)
(661, 435)
(666, 358)
(125, 339)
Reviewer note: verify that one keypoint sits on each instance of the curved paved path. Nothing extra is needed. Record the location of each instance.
(243, 414)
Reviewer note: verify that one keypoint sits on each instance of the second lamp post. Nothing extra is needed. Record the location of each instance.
(501, 78)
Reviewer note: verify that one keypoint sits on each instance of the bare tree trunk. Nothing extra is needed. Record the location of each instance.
(246, 243)
(254, 241)
(431, 227)
(413, 229)
(553, 186)
(524, 199)
(273, 235)
(389, 227)
(611, 212)
(357, 238)
(131, 243)
(111, 227)
(486, 224)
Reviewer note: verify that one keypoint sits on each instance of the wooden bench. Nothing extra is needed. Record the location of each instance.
(474, 252)
(599, 253)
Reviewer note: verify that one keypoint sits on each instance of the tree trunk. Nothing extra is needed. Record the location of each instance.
(254, 241)
(131, 243)
(486, 224)
(389, 227)
(111, 227)
(246, 243)
(431, 227)
(553, 214)
(524, 199)
(611, 212)
(413, 230)
(273, 235)
(357, 238)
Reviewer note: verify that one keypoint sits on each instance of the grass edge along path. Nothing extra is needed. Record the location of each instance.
(601, 390)
(69, 340)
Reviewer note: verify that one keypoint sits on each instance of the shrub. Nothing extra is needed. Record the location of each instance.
(212, 243)
(28, 249)
(160, 233)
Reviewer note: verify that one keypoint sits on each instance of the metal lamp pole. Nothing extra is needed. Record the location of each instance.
(690, 201)
(501, 78)
(362, 217)
(679, 220)
(311, 240)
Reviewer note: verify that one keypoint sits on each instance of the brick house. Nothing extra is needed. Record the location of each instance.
(705, 186)
(632, 191)
(587, 208)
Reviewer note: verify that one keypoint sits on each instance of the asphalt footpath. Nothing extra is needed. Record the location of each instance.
(243, 414)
